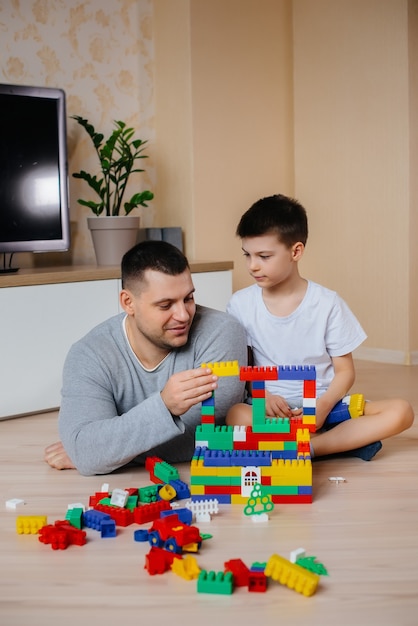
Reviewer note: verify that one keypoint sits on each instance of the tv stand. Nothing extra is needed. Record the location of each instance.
(9, 269)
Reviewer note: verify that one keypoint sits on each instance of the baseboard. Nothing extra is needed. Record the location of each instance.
(380, 355)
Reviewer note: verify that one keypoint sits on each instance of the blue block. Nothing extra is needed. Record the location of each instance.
(182, 489)
(309, 410)
(304, 491)
(258, 384)
(297, 372)
(108, 528)
(221, 498)
(217, 458)
(185, 515)
(93, 519)
(209, 402)
(340, 413)
(141, 535)
(284, 454)
(241, 458)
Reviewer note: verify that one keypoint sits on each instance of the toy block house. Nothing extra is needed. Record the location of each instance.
(274, 452)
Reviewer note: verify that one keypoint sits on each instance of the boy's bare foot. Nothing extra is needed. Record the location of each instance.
(56, 457)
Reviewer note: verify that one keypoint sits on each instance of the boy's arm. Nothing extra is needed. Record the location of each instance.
(344, 376)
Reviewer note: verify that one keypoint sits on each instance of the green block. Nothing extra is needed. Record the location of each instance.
(290, 445)
(221, 437)
(75, 517)
(271, 490)
(165, 472)
(208, 410)
(215, 582)
(259, 410)
(148, 494)
(216, 481)
(273, 425)
(131, 503)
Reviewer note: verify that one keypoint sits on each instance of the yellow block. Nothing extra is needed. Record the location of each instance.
(228, 471)
(223, 368)
(303, 434)
(236, 499)
(309, 419)
(356, 406)
(197, 490)
(186, 567)
(292, 575)
(198, 469)
(291, 473)
(30, 524)
(271, 445)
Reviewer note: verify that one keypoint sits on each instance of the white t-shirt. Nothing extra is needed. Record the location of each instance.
(321, 327)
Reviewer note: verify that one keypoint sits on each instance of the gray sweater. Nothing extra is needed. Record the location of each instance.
(112, 412)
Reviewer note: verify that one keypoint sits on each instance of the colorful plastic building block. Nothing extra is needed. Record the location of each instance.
(186, 567)
(30, 524)
(167, 492)
(172, 535)
(239, 571)
(223, 368)
(258, 504)
(150, 512)
(13, 503)
(350, 407)
(61, 534)
(215, 582)
(119, 497)
(310, 563)
(293, 576)
(274, 452)
(158, 561)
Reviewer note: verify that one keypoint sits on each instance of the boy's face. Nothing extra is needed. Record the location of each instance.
(269, 261)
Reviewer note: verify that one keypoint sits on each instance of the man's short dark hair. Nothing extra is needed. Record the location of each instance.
(159, 256)
(277, 214)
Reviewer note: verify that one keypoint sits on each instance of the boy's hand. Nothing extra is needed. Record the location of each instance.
(276, 406)
(185, 389)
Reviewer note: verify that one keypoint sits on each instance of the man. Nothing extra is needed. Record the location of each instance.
(133, 386)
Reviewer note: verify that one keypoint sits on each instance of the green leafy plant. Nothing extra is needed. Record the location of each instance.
(118, 156)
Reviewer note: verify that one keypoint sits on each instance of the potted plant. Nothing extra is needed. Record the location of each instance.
(118, 157)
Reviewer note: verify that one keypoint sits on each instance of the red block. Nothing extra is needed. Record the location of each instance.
(150, 512)
(309, 388)
(239, 571)
(258, 373)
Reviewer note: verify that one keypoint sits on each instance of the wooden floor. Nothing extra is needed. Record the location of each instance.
(364, 530)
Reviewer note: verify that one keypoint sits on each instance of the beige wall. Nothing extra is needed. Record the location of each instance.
(244, 98)
(353, 119)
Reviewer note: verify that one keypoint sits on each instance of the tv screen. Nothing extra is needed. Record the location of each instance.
(34, 203)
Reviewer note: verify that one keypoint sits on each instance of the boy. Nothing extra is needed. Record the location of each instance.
(291, 320)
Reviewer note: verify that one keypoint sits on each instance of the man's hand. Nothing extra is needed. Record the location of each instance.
(185, 389)
(56, 457)
(276, 406)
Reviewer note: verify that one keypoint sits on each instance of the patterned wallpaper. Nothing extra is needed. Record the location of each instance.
(101, 54)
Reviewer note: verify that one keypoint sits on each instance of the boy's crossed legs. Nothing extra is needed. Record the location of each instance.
(359, 436)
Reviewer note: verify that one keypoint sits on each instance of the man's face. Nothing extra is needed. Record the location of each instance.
(163, 309)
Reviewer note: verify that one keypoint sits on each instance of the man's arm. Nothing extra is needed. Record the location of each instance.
(113, 412)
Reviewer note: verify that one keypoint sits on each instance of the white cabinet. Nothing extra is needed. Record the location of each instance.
(39, 323)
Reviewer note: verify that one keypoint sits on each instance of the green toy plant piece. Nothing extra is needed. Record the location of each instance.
(257, 504)
(310, 563)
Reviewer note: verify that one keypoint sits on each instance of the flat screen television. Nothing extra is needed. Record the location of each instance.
(34, 199)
